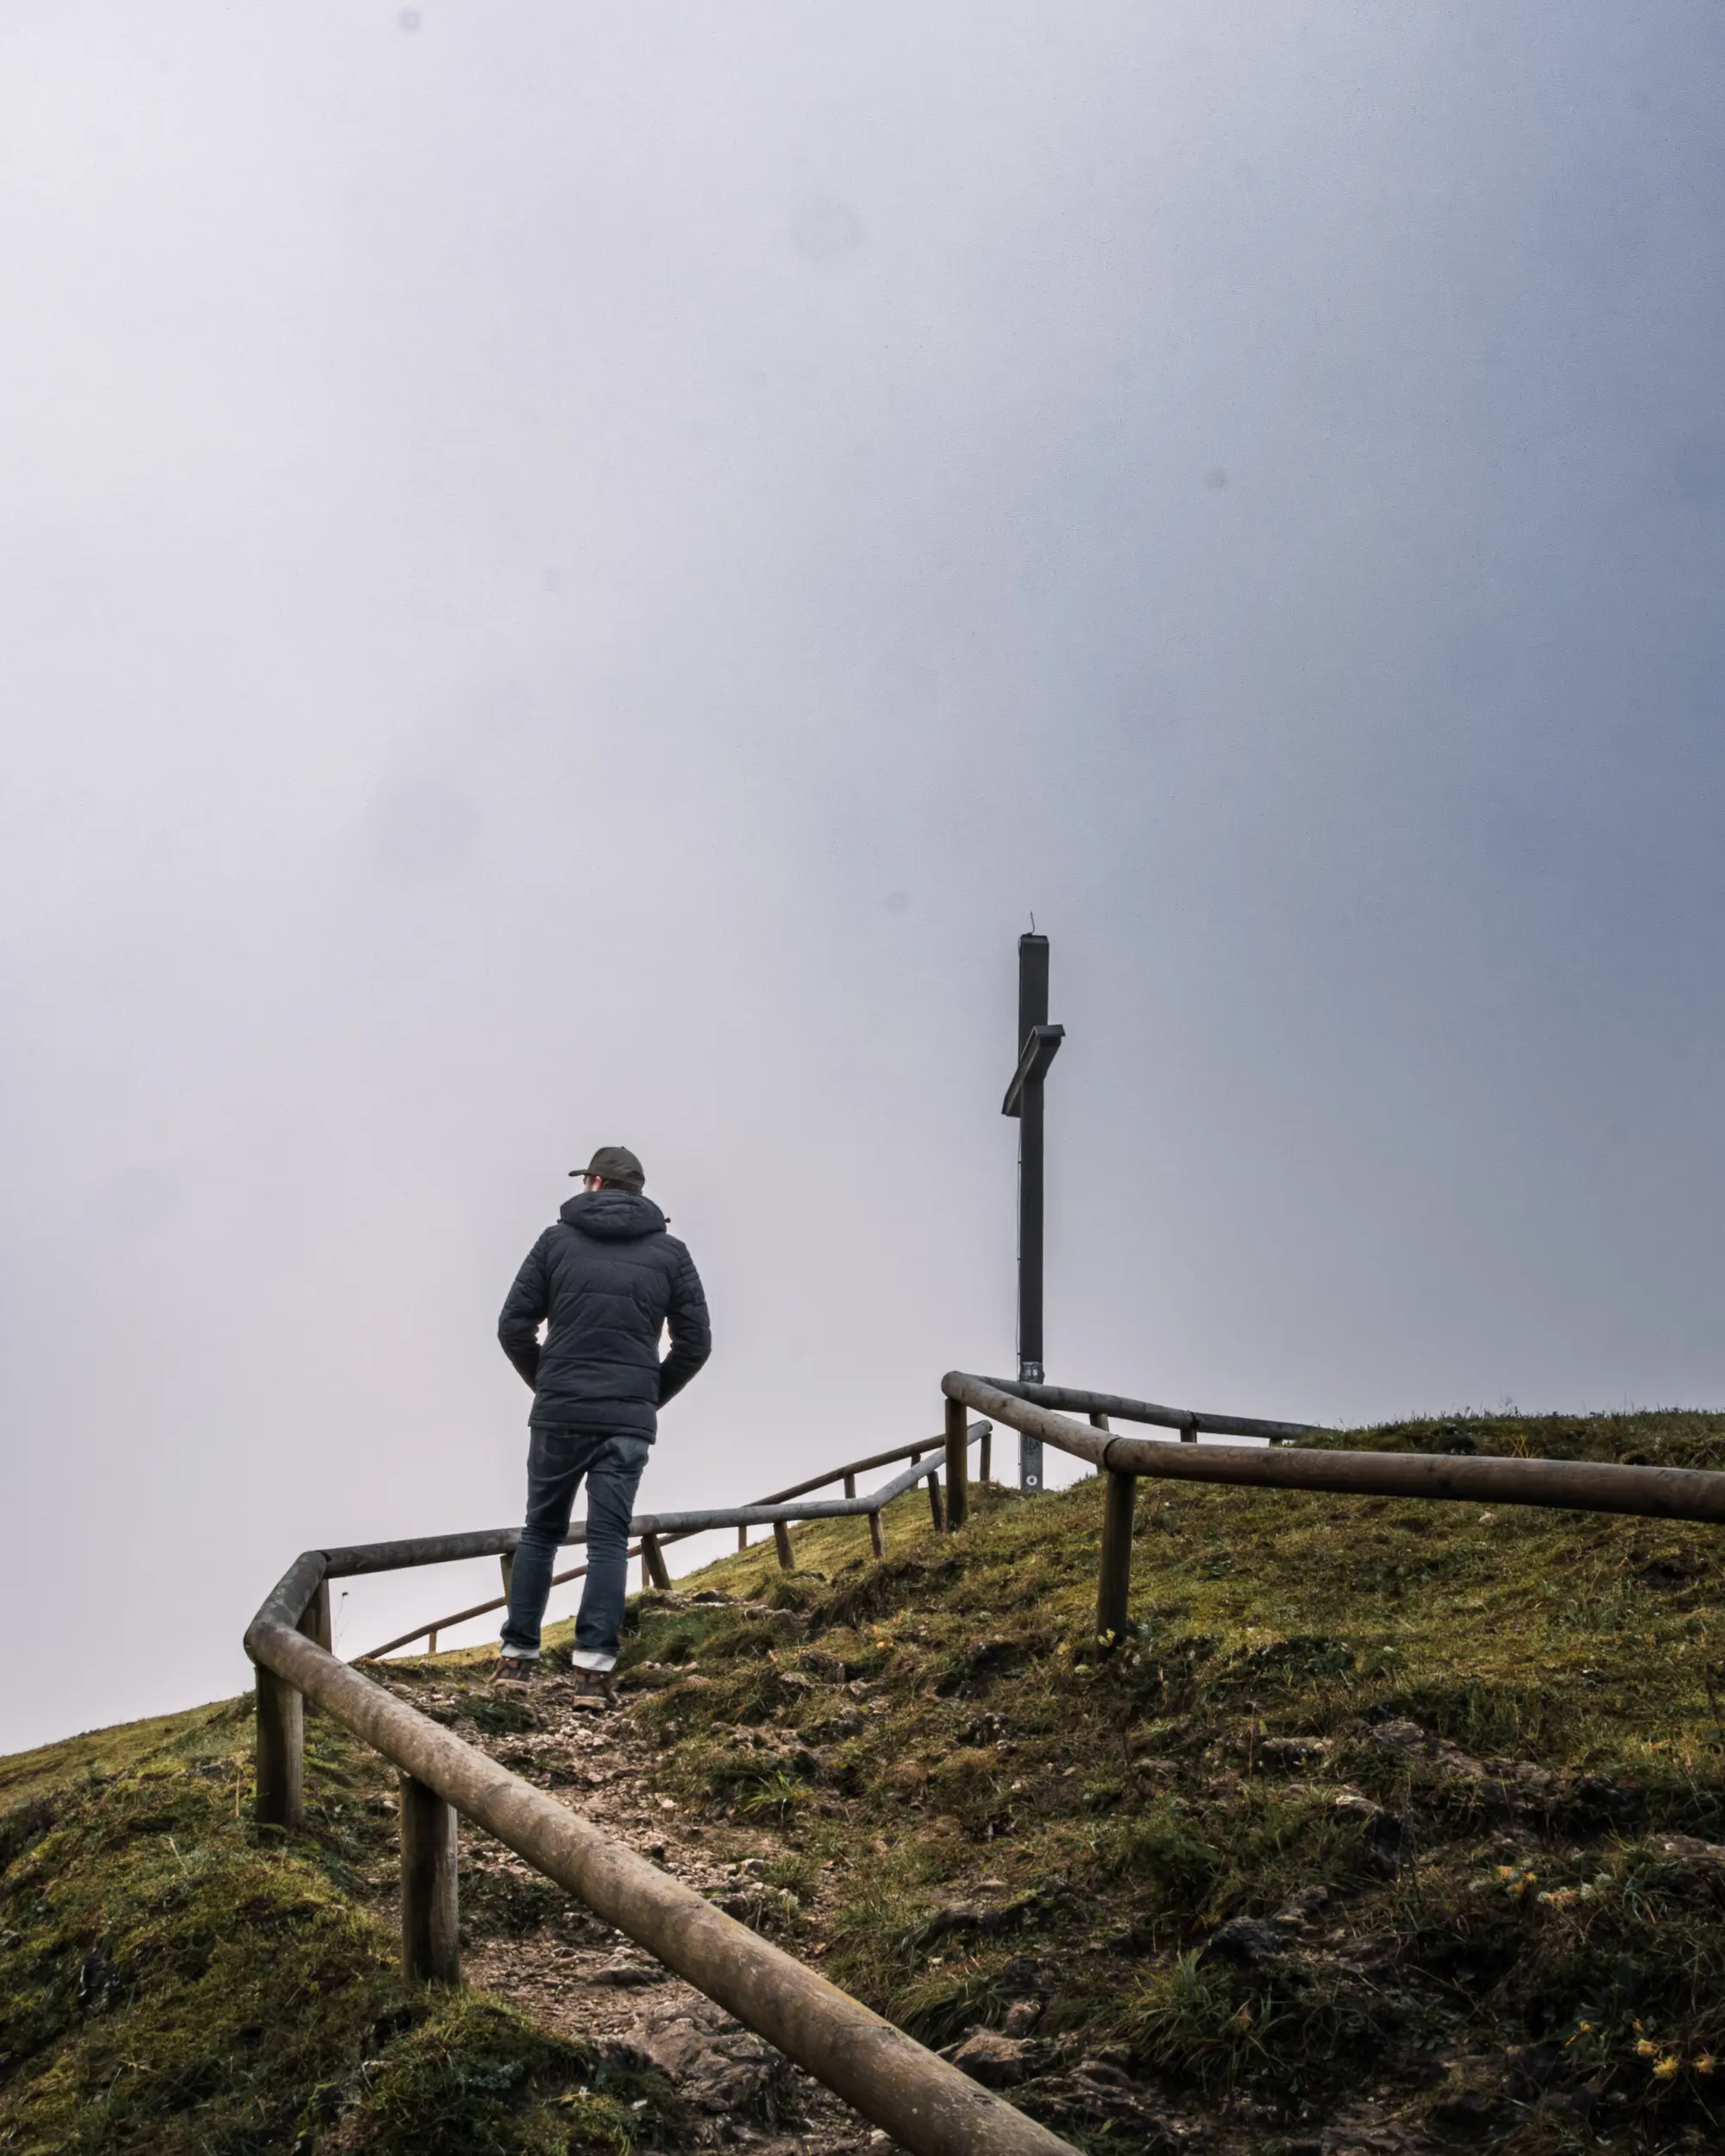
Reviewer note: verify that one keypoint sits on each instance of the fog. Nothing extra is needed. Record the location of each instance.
(574, 575)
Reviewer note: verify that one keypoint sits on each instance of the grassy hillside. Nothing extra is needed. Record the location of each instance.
(1393, 1827)
(1392, 1818)
(170, 1981)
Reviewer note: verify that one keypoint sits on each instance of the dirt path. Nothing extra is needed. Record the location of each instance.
(527, 1941)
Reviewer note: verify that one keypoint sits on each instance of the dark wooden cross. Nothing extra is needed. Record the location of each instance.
(1039, 1042)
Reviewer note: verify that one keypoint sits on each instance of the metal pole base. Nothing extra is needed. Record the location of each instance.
(1030, 1464)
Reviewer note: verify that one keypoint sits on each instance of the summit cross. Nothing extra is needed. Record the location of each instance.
(1038, 1043)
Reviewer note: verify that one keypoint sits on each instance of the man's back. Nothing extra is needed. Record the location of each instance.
(605, 1279)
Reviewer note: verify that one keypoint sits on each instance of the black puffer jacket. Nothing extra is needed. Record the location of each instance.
(607, 1276)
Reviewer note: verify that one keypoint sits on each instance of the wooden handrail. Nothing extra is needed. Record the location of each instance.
(1191, 1422)
(663, 1527)
(926, 2104)
(1659, 1493)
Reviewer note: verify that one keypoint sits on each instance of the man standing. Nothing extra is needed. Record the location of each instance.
(604, 1281)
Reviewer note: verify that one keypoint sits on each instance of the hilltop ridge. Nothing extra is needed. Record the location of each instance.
(1393, 1827)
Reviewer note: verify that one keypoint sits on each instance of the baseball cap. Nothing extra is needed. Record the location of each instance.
(615, 1164)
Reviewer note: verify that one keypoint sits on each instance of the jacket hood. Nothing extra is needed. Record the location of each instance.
(612, 1215)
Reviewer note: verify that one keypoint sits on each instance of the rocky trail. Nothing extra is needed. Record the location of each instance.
(525, 1941)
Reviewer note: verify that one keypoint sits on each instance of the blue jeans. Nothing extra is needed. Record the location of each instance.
(556, 1462)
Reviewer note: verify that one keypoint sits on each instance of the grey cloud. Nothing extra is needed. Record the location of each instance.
(581, 572)
(423, 831)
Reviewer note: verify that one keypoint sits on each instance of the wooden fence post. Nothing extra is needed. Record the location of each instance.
(506, 1565)
(877, 1538)
(984, 1463)
(934, 1503)
(314, 1624)
(850, 1486)
(281, 1751)
(652, 1565)
(431, 1911)
(781, 1537)
(958, 1465)
(742, 1538)
(1113, 1583)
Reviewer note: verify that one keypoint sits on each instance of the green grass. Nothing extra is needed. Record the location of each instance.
(170, 1981)
(1492, 1931)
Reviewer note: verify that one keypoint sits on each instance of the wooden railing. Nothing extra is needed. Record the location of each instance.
(929, 2107)
(1662, 1493)
(926, 2104)
(779, 1511)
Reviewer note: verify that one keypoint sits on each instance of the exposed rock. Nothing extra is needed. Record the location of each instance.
(1099, 2092)
(1247, 1940)
(625, 1972)
(973, 1917)
(1022, 2017)
(1686, 1850)
(716, 2064)
(1383, 1830)
(1293, 1752)
(1399, 1735)
(997, 2061)
(1152, 1772)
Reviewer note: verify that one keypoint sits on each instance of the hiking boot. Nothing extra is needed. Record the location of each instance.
(512, 1669)
(592, 1689)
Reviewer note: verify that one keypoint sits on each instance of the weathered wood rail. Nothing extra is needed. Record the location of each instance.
(1661, 1493)
(926, 2104)
(780, 1511)
(1192, 1423)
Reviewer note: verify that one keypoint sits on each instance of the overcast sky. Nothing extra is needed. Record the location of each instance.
(574, 575)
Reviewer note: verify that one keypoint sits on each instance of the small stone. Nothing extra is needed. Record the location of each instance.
(623, 1972)
(1292, 1752)
(1460, 1766)
(1246, 1939)
(1686, 1849)
(1022, 2017)
(717, 2066)
(997, 2061)
(1398, 1735)
(1151, 1771)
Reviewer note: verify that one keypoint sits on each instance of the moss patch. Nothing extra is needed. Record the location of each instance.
(170, 1982)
